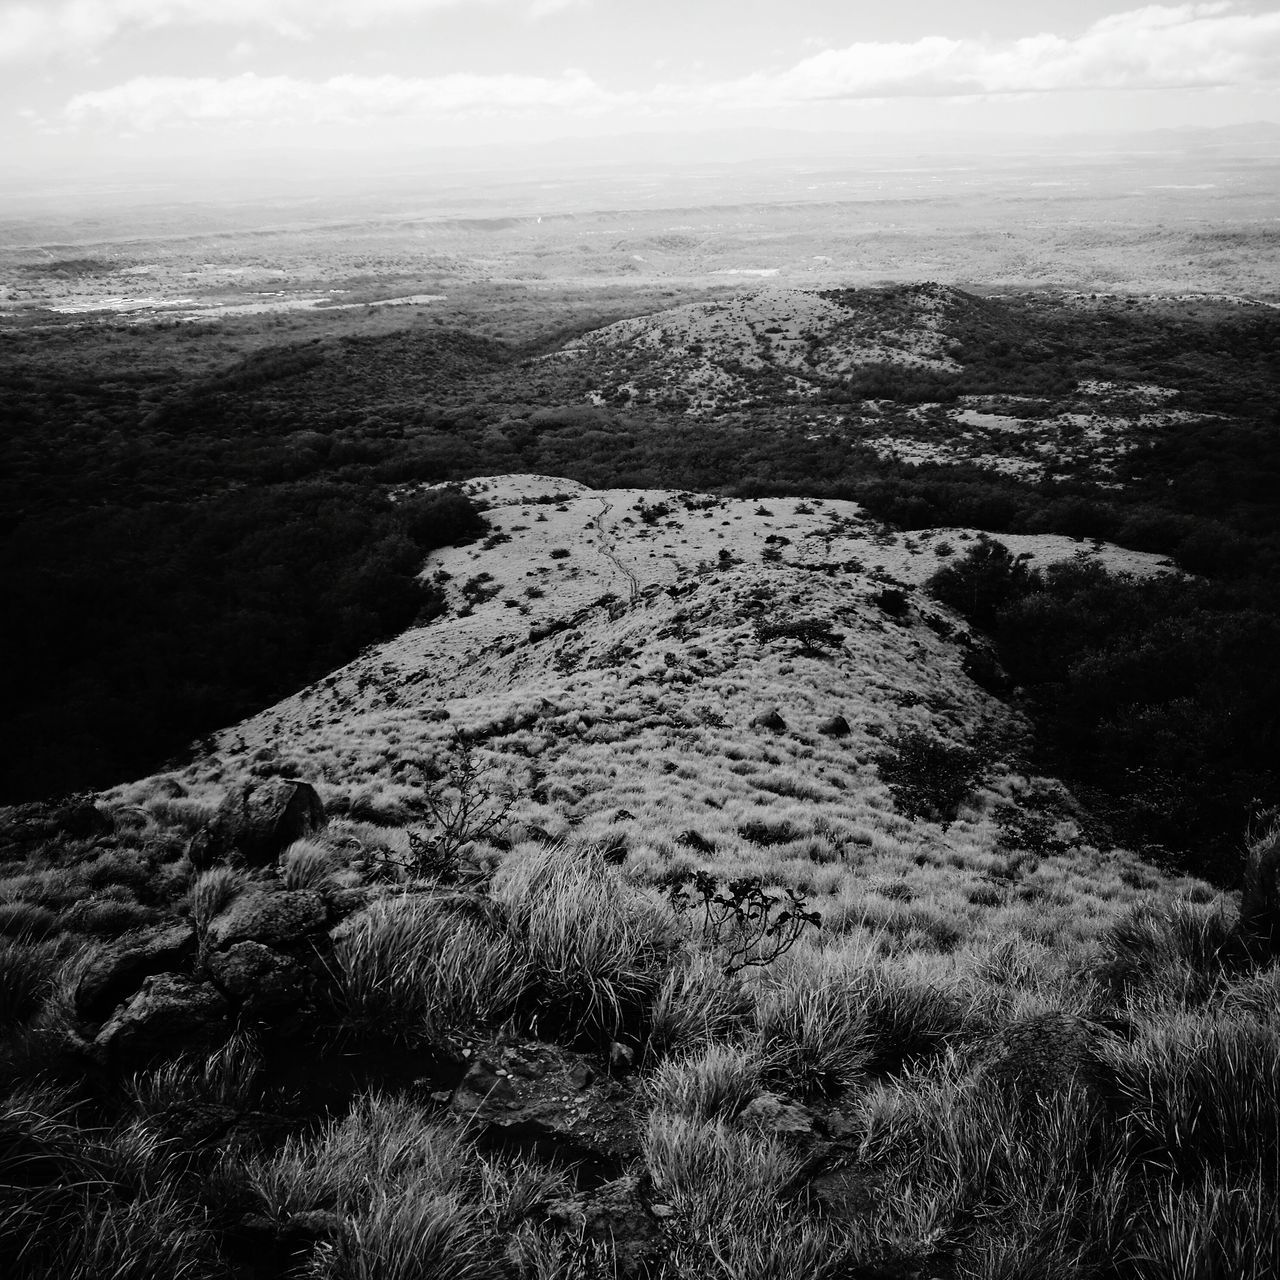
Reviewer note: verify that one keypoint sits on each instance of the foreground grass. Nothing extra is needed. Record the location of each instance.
(869, 1103)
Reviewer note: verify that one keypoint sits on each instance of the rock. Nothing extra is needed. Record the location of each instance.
(835, 727)
(263, 979)
(1046, 1053)
(262, 1246)
(195, 1124)
(259, 822)
(772, 1114)
(113, 975)
(346, 902)
(273, 919)
(170, 1014)
(770, 720)
(843, 1193)
(542, 1093)
(28, 824)
(615, 1216)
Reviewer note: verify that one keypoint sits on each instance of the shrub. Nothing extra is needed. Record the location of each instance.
(928, 776)
(747, 923)
(470, 803)
(982, 582)
(811, 634)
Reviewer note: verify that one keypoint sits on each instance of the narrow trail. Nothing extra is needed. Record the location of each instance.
(606, 549)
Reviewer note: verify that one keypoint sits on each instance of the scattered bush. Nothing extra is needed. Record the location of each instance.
(928, 776)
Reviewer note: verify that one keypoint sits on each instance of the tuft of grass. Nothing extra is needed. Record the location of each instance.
(697, 1003)
(26, 982)
(1185, 950)
(729, 1189)
(595, 947)
(307, 864)
(814, 1034)
(417, 969)
(412, 1235)
(1201, 1092)
(87, 1204)
(1214, 1228)
(24, 920)
(713, 1084)
(418, 1200)
(212, 892)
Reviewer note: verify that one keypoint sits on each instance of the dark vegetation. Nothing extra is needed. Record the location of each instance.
(1160, 698)
(198, 522)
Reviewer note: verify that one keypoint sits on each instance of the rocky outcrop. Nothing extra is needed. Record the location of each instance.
(257, 823)
(273, 919)
(549, 1097)
(616, 1219)
(113, 975)
(170, 1014)
(264, 981)
(771, 720)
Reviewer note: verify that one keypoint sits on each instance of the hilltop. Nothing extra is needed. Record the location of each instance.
(609, 653)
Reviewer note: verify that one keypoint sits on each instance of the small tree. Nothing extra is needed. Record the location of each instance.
(468, 803)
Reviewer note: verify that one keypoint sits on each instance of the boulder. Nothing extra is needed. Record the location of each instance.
(171, 1014)
(273, 919)
(835, 727)
(770, 720)
(544, 1094)
(113, 975)
(262, 979)
(1046, 1053)
(257, 823)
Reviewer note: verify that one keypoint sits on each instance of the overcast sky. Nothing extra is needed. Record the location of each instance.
(121, 78)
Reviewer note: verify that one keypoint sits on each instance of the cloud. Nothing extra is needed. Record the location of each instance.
(40, 28)
(1157, 47)
(147, 103)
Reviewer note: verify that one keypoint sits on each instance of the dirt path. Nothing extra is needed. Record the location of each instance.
(606, 549)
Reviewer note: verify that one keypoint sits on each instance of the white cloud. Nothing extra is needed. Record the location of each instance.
(152, 102)
(39, 28)
(1157, 47)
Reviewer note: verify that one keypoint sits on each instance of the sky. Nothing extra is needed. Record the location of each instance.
(99, 83)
